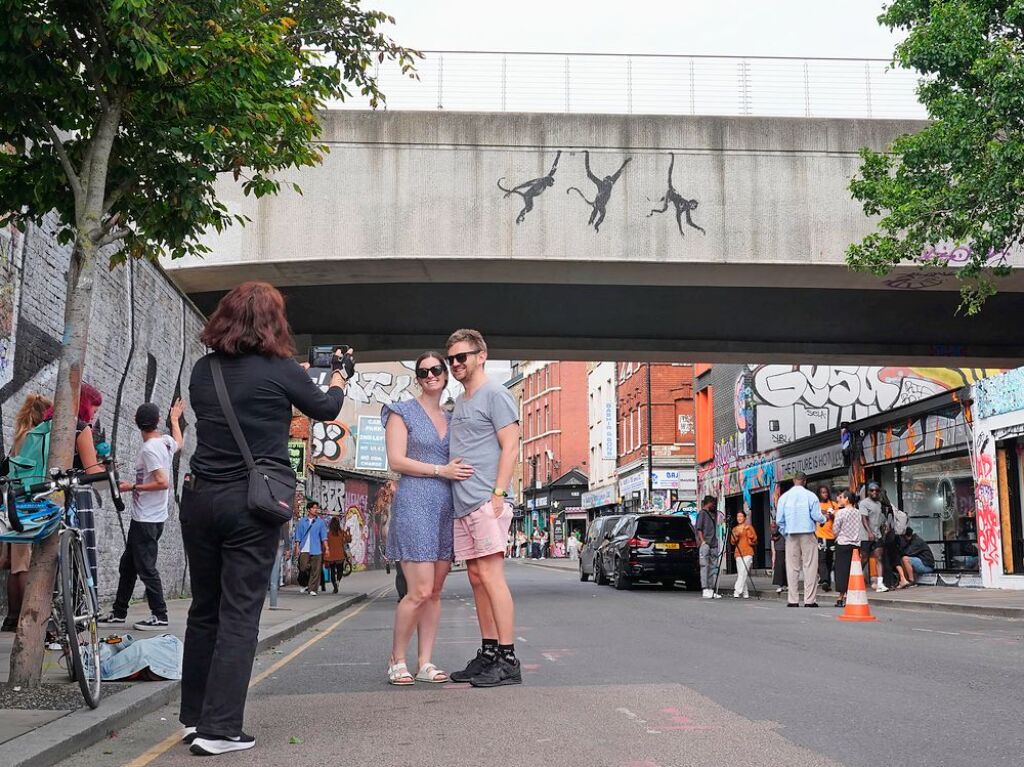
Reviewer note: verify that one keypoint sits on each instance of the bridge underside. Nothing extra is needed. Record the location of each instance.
(670, 322)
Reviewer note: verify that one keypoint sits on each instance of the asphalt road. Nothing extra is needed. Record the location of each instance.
(645, 678)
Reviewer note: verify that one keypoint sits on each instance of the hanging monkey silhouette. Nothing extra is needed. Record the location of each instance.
(528, 190)
(604, 191)
(680, 203)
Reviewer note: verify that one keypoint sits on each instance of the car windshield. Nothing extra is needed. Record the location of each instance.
(671, 528)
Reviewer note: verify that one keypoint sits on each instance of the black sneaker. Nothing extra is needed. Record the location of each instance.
(214, 746)
(474, 667)
(112, 620)
(152, 623)
(9, 624)
(501, 672)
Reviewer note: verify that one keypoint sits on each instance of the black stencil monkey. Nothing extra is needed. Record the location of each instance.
(598, 208)
(680, 203)
(528, 190)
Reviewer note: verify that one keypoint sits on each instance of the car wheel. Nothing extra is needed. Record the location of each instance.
(622, 581)
(583, 574)
(599, 578)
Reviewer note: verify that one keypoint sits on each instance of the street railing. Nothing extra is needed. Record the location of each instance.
(650, 84)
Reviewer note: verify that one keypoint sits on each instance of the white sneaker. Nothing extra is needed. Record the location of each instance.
(881, 587)
(706, 594)
(715, 595)
(735, 596)
(746, 596)
(312, 593)
(779, 590)
(304, 591)
(216, 746)
(188, 735)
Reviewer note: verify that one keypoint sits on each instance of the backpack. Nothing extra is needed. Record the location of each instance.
(900, 519)
(29, 465)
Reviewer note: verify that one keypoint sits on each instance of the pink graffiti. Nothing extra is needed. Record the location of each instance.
(987, 517)
(960, 255)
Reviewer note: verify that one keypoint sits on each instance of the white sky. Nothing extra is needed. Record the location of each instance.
(845, 28)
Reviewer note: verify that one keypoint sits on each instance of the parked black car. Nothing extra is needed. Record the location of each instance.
(658, 548)
(596, 533)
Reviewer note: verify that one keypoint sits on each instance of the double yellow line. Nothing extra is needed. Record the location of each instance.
(170, 741)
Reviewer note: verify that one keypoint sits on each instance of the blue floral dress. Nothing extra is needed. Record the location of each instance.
(422, 513)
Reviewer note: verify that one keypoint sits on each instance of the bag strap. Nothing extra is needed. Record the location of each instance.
(229, 412)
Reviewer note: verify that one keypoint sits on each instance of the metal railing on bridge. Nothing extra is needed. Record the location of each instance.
(651, 84)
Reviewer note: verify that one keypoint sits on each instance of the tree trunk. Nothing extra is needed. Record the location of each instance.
(29, 642)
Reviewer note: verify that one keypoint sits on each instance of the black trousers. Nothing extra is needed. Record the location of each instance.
(230, 556)
(139, 562)
(826, 561)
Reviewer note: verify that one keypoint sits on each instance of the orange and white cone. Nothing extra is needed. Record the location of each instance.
(857, 594)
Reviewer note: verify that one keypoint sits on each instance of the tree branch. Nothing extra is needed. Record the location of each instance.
(87, 64)
(112, 237)
(69, 169)
(117, 193)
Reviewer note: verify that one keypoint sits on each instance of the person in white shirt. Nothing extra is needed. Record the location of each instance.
(797, 511)
(150, 493)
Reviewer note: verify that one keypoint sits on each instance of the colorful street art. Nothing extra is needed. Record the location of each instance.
(986, 506)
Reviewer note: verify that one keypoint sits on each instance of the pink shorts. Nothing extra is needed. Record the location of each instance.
(480, 533)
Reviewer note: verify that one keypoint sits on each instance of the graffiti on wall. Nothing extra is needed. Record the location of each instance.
(10, 240)
(986, 505)
(681, 205)
(357, 502)
(932, 431)
(329, 441)
(999, 395)
(529, 190)
(795, 401)
(602, 193)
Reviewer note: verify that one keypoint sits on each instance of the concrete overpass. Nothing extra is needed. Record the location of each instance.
(407, 231)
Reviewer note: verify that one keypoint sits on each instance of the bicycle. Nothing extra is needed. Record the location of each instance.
(75, 608)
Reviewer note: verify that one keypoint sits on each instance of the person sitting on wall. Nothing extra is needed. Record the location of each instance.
(918, 558)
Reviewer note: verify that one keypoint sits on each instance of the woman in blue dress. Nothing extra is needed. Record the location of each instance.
(420, 533)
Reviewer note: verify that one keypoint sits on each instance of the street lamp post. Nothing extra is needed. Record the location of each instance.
(650, 443)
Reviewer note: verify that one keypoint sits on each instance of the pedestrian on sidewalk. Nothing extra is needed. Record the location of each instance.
(709, 551)
(744, 540)
(871, 539)
(572, 545)
(230, 548)
(87, 459)
(826, 538)
(778, 560)
(847, 527)
(798, 511)
(308, 542)
(536, 542)
(29, 451)
(421, 534)
(338, 539)
(485, 433)
(150, 494)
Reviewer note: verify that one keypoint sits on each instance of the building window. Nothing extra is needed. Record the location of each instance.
(547, 418)
(705, 426)
(636, 432)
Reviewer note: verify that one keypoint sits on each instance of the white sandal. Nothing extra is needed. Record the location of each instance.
(431, 673)
(398, 674)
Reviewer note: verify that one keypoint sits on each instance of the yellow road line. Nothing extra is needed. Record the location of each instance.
(170, 741)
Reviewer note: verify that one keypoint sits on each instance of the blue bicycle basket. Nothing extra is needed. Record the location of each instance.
(39, 518)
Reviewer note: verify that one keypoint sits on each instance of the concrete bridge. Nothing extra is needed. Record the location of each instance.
(712, 238)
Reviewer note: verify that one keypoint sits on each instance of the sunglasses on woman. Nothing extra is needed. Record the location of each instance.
(461, 357)
(436, 370)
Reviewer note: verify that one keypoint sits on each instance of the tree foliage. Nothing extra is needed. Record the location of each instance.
(123, 112)
(958, 181)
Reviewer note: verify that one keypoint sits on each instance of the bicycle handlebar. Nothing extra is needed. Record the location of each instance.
(62, 480)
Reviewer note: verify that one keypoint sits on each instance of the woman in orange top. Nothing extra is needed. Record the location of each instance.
(744, 539)
(826, 538)
(334, 555)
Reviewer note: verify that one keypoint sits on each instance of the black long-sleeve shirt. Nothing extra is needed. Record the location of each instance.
(262, 392)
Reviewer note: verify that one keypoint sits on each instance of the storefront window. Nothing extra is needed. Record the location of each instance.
(938, 496)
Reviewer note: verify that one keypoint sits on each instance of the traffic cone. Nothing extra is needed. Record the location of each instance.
(857, 594)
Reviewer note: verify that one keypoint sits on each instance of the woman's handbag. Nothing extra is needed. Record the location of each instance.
(271, 484)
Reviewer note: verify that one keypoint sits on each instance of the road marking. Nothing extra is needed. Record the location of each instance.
(170, 741)
(936, 631)
(521, 639)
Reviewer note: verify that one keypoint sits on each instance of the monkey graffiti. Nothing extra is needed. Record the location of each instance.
(680, 203)
(531, 189)
(604, 191)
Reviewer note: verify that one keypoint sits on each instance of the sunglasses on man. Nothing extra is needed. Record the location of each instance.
(461, 357)
(436, 370)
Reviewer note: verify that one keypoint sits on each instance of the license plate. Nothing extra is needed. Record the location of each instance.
(666, 546)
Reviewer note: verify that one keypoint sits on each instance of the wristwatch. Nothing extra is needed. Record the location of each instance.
(501, 493)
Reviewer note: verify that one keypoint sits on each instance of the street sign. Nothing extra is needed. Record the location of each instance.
(371, 451)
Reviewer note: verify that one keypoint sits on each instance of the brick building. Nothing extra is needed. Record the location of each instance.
(655, 399)
(555, 433)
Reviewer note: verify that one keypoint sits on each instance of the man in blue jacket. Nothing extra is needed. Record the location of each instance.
(796, 513)
(309, 537)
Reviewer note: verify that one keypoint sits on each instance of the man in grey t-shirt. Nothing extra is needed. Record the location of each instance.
(485, 434)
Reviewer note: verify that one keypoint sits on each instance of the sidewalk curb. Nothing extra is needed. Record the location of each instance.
(61, 738)
(541, 563)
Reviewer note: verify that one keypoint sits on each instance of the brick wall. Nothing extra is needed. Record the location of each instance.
(672, 413)
(143, 343)
(555, 392)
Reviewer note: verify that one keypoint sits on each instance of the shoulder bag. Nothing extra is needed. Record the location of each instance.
(271, 484)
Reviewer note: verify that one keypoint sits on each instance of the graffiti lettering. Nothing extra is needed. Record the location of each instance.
(987, 514)
(328, 440)
(960, 255)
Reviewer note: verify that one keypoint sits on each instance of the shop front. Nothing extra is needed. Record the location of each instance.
(599, 502)
(921, 456)
(998, 452)
(633, 491)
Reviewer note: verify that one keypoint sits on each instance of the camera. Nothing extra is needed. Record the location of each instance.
(320, 356)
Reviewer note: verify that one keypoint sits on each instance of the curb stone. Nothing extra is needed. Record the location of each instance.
(63, 737)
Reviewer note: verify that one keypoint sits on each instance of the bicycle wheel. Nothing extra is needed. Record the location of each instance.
(346, 568)
(80, 616)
